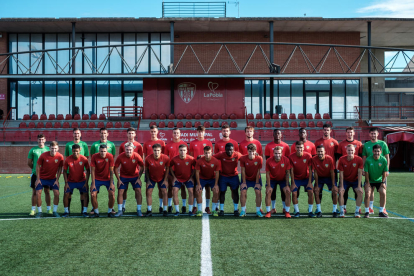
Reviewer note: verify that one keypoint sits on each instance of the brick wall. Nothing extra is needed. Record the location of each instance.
(3, 82)
(257, 64)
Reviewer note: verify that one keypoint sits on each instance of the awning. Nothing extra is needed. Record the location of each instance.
(402, 136)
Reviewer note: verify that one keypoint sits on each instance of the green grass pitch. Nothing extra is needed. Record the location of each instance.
(239, 246)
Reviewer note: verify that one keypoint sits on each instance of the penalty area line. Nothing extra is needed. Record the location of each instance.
(206, 263)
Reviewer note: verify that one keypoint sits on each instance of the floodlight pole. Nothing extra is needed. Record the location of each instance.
(369, 71)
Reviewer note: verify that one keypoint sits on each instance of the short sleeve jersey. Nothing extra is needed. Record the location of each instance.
(207, 168)
(156, 167)
(228, 163)
(331, 146)
(251, 166)
(270, 147)
(172, 148)
(76, 168)
(147, 148)
(49, 165)
(309, 147)
(369, 146)
(197, 147)
(138, 148)
(277, 170)
(350, 167)
(129, 165)
(300, 165)
(34, 155)
(110, 147)
(323, 167)
(102, 165)
(243, 147)
(183, 168)
(375, 168)
(342, 147)
(220, 146)
(83, 148)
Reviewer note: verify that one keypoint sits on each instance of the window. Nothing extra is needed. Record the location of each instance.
(102, 63)
(13, 49)
(352, 99)
(257, 96)
(50, 57)
(297, 96)
(116, 93)
(50, 98)
(36, 89)
(102, 95)
(23, 45)
(23, 99)
(338, 99)
(36, 58)
(284, 95)
(63, 55)
(63, 100)
(115, 63)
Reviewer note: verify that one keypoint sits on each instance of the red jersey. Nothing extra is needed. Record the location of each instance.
(207, 168)
(278, 170)
(309, 147)
(331, 146)
(300, 165)
(350, 168)
(76, 168)
(271, 146)
(49, 165)
(171, 149)
(197, 147)
(129, 165)
(220, 146)
(228, 163)
(102, 166)
(138, 148)
(156, 167)
(251, 166)
(342, 147)
(243, 147)
(183, 167)
(323, 167)
(147, 149)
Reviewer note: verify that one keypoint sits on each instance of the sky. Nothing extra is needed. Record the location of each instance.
(248, 8)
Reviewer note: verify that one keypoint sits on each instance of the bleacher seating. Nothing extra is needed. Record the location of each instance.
(215, 116)
(267, 116)
(77, 117)
(85, 117)
(163, 116)
(250, 116)
(102, 117)
(309, 116)
(319, 124)
(294, 124)
(311, 124)
(197, 116)
(91, 125)
(43, 117)
(206, 124)
(197, 124)
(26, 117)
(52, 117)
(180, 124)
(285, 124)
(276, 124)
(216, 124)
(170, 124)
(83, 125)
(154, 116)
(259, 116)
(268, 124)
(329, 123)
(94, 117)
(32, 125)
(318, 116)
(101, 125)
(127, 124)
(35, 117)
(188, 124)
(292, 116)
(65, 125)
(151, 124)
(233, 124)
(118, 125)
(180, 116)
(275, 116)
(251, 123)
(60, 117)
(41, 125)
(284, 116)
(171, 116)
(189, 116)
(68, 117)
(224, 123)
(22, 125)
(48, 125)
(326, 116)
(75, 124)
(206, 116)
(109, 125)
(233, 116)
(224, 116)
(301, 116)
(161, 124)
(57, 125)
(302, 124)
(259, 124)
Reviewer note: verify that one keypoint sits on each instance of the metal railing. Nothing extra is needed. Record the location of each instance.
(385, 112)
(8, 117)
(133, 112)
(193, 9)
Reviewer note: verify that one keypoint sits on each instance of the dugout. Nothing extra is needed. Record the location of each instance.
(401, 145)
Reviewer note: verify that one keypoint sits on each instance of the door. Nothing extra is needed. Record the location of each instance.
(130, 99)
(317, 102)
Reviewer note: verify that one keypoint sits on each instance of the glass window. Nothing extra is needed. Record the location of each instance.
(78, 53)
(257, 96)
(338, 99)
(248, 95)
(90, 59)
(115, 93)
(317, 85)
(297, 96)
(129, 53)
(13, 48)
(23, 45)
(12, 99)
(23, 99)
(37, 97)
(352, 98)
(267, 99)
(50, 98)
(155, 53)
(63, 55)
(284, 95)
(115, 59)
(50, 57)
(102, 98)
(89, 99)
(275, 95)
(36, 58)
(142, 53)
(165, 51)
(78, 97)
(63, 101)
(102, 62)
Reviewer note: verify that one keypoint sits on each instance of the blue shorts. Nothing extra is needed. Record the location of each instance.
(207, 183)
(126, 181)
(161, 184)
(327, 181)
(232, 181)
(189, 184)
(47, 182)
(99, 183)
(301, 183)
(76, 185)
(348, 184)
(282, 184)
(251, 184)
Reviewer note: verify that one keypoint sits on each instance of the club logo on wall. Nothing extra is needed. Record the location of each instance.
(213, 94)
(186, 90)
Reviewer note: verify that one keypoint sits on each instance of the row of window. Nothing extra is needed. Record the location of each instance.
(90, 60)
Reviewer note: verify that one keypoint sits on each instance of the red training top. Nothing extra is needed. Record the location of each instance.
(350, 168)
(197, 147)
(76, 168)
(228, 163)
(270, 147)
(129, 165)
(342, 147)
(172, 148)
(49, 165)
(156, 167)
(207, 168)
(251, 166)
(300, 165)
(278, 170)
(102, 166)
(243, 147)
(138, 148)
(331, 146)
(220, 146)
(183, 167)
(147, 149)
(309, 148)
(323, 167)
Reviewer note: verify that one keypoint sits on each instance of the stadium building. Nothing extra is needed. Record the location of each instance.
(59, 73)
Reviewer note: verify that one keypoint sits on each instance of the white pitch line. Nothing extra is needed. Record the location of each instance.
(206, 263)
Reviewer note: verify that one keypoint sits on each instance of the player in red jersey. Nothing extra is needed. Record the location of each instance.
(269, 152)
(308, 146)
(157, 166)
(301, 176)
(350, 175)
(342, 151)
(249, 131)
(331, 149)
(171, 149)
(182, 171)
(102, 164)
(207, 176)
(220, 146)
(324, 173)
(131, 133)
(229, 177)
(277, 173)
(76, 164)
(132, 167)
(48, 169)
(250, 172)
(147, 150)
(197, 150)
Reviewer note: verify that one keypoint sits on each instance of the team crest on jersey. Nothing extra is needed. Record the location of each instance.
(212, 165)
(255, 163)
(133, 160)
(247, 163)
(161, 163)
(106, 159)
(380, 164)
(332, 144)
(71, 164)
(186, 163)
(326, 165)
(177, 164)
(307, 147)
(204, 145)
(56, 160)
(186, 90)
(304, 160)
(47, 160)
(232, 159)
(281, 165)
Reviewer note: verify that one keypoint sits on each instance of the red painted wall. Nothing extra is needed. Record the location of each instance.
(210, 96)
